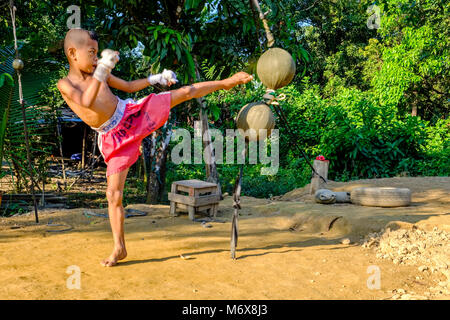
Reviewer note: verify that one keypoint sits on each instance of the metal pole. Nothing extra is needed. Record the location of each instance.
(237, 207)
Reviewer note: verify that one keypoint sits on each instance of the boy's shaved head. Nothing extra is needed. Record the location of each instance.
(78, 38)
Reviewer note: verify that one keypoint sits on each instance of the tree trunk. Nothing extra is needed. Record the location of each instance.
(210, 161)
(83, 148)
(262, 16)
(155, 150)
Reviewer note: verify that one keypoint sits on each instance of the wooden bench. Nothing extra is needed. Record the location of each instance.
(200, 195)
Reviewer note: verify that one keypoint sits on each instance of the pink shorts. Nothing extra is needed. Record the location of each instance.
(120, 137)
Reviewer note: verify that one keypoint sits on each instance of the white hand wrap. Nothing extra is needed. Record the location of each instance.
(163, 78)
(106, 64)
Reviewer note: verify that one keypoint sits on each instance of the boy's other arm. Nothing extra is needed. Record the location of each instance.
(200, 89)
(127, 86)
(86, 98)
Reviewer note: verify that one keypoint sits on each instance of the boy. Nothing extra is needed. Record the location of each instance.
(121, 124)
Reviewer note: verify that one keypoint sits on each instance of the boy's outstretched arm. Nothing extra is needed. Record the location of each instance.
(200, 89)
(127, 86)
(167, 77)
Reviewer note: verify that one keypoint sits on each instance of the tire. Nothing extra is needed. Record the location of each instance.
(325, 196)
(381, 197)
(343, 197)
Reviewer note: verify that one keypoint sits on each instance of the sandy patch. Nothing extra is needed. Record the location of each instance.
(286, 250)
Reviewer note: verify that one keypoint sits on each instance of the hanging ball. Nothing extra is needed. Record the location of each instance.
(256, 116)
(17, 64)
(275, 68)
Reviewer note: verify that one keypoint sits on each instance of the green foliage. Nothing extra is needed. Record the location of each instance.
(38, 120)
(363, 139)
(6, 79)
(352, 99)
(170, 45)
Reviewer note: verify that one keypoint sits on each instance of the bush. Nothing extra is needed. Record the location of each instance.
(363, 139)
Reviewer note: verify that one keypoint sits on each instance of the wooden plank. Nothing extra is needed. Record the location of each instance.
(322, 168)
(197, 190)
(179, 198)
(173, 204)
(202, 200)
(192, 201)
(25, 195)
(183, 207)
(28, 197)
(194, 183)
(191, 212)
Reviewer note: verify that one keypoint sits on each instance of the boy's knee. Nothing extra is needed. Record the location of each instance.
(114, 197)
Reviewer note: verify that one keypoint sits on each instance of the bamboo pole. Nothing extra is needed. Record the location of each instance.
(22, 103)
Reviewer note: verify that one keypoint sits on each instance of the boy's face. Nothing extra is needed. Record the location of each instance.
(85, 57)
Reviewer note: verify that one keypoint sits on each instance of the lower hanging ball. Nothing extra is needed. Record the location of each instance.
(17, 64)
(256, 116)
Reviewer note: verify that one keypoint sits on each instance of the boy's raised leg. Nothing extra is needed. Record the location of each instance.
(114, 194)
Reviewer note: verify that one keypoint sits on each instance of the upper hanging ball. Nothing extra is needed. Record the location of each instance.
(17, 64)
(275, 68)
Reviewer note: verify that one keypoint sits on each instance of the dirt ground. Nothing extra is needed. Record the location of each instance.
(288, 248)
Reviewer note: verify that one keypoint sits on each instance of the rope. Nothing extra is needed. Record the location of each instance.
(13, 10)
(271, 99)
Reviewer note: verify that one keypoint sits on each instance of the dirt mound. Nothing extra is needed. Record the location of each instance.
(430, 189)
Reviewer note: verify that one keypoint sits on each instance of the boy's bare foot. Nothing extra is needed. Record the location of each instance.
(116, 255)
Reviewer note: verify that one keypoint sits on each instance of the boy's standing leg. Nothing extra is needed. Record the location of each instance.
(114, 194)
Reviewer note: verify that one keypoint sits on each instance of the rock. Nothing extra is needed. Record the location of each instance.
(346, 241)
(423, 268)
(401, 291)
(406, 297)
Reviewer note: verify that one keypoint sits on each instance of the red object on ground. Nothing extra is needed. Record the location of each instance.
(321, 158)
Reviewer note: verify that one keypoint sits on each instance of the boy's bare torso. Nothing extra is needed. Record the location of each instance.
(101, 110)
